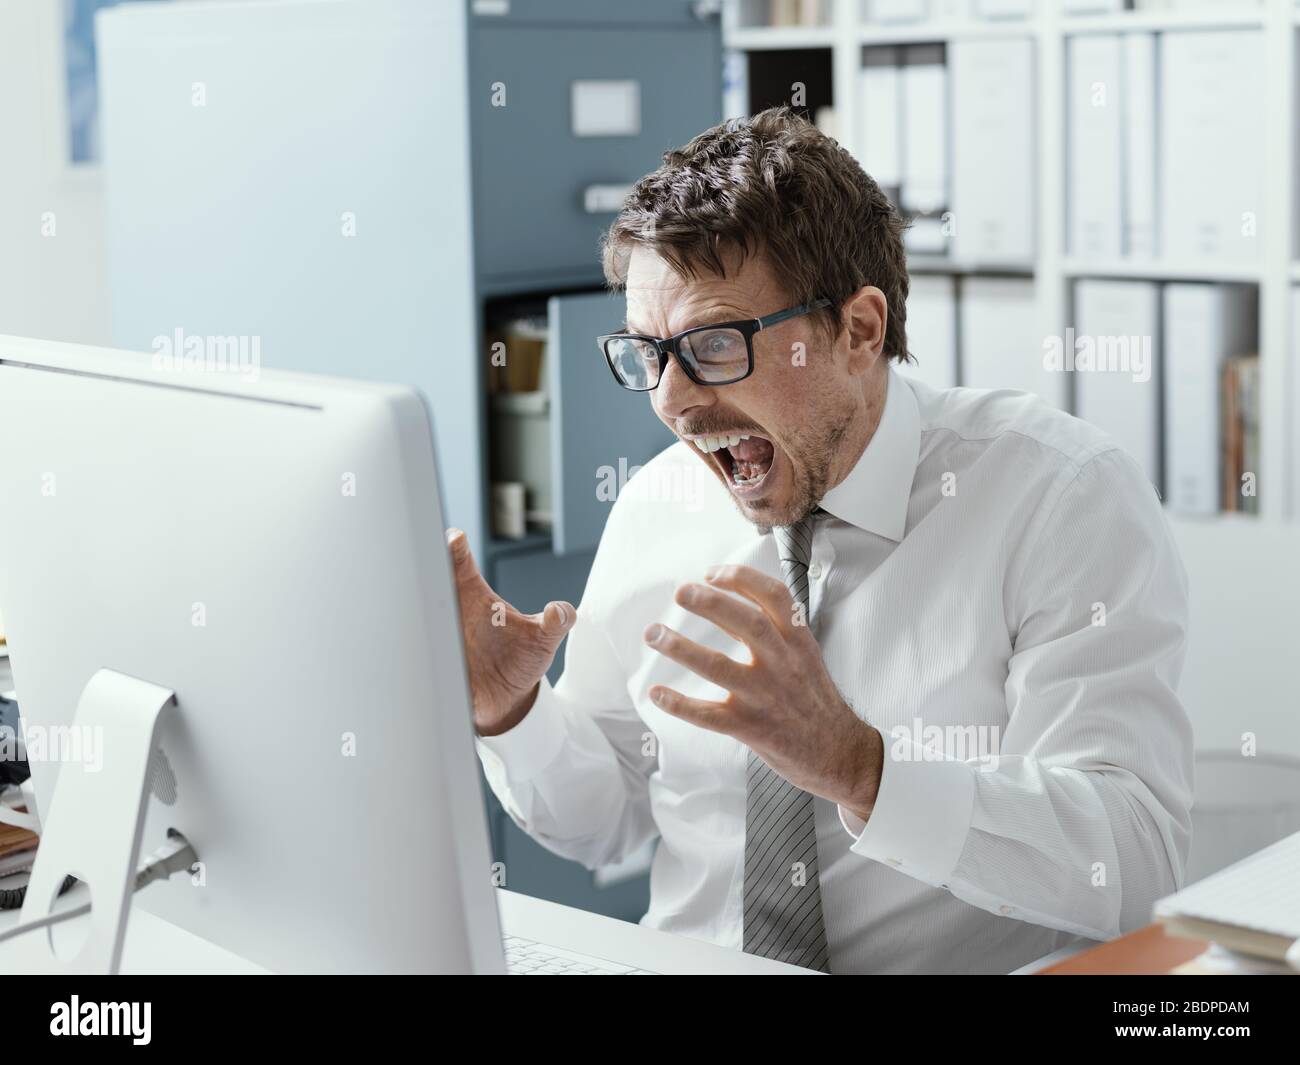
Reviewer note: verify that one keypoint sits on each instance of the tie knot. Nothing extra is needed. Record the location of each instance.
(794, 542)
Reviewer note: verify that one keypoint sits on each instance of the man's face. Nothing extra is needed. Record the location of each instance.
(796, 408)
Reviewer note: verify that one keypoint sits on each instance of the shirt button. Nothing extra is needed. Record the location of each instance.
(894, 862)
(1004, 910)
(815, 570)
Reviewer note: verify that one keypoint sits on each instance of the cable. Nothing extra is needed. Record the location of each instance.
(176, 855)
(46, 921)
(13, 898)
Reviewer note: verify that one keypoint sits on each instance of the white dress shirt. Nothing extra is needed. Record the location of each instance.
(997, 590)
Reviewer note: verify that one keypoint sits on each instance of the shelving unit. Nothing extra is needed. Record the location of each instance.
(1275, 272)
(762, 38)
(1162, 270)
(1230, 16)
(952, 30)
(943, 264)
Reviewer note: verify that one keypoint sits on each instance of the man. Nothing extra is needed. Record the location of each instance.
(896, 691)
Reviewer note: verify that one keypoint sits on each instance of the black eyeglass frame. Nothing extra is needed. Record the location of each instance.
(670, 345)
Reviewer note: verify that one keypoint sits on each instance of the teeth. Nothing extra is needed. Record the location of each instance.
(709, 444)
(742, 482)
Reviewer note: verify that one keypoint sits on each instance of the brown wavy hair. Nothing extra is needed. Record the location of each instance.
(773, 185)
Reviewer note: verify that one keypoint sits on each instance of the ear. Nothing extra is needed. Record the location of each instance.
(863, 318)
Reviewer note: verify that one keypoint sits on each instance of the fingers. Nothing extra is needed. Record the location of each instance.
(556, 620)
(471, 586)
(462, 558)
(702, 661)
(740, 620)
(553, 622)
(766, 592)
(713, 716)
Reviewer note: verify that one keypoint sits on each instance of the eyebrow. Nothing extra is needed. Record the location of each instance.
(717, 318)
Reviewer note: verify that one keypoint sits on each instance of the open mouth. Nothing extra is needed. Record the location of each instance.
(745, 459)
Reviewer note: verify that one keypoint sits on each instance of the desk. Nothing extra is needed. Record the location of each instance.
(1148, 951)
(155, 946)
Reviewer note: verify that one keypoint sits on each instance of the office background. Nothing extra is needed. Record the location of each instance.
(1072, 168)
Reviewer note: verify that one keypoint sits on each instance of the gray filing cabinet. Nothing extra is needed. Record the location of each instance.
(651, 83)
(425, 167)
(544, 192)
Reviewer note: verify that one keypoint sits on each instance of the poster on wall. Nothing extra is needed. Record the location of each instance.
(79, 77)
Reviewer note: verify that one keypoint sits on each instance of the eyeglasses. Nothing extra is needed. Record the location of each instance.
(720, 354)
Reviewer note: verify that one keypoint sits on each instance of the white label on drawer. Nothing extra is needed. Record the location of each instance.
(490, 7)
(606, 108)
(604, 199)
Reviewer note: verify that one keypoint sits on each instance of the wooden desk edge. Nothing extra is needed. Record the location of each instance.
(1148, 951)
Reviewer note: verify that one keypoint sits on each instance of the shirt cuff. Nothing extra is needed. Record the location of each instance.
(922, 814)
(527, 749)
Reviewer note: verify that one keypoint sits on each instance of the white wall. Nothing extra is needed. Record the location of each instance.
(1243, 645)
(53, 287)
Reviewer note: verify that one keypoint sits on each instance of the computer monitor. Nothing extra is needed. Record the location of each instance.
(271, 548)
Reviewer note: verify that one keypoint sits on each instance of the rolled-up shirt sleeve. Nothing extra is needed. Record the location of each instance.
(1081, 820)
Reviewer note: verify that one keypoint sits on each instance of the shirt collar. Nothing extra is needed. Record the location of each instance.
(875, 494)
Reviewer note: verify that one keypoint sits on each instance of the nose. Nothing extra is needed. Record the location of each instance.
(676, 393)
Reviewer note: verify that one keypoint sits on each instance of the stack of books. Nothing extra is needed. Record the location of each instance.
(795, 13)
(1241, 434)
(17, 848)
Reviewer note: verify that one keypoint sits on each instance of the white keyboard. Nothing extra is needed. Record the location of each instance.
(526, 958)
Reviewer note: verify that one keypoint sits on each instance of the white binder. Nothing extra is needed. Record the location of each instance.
(932, 331)
(1212, 144)
(1095, 174)
(1002, 343)
(879, 114)
(1140, 163)
(1120, 320)
(925, 129)
(993, 149)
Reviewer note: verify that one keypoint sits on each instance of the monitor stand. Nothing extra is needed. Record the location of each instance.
(94, 825)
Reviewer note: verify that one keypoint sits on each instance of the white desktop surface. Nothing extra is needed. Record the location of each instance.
(158, 947)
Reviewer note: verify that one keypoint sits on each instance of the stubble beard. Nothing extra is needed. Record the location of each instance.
(811, 472)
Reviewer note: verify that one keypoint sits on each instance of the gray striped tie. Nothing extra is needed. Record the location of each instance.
(783, 910)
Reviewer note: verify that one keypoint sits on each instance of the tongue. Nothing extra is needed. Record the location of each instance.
(755, 450)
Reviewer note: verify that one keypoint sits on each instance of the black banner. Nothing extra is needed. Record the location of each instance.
(344, 1013)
